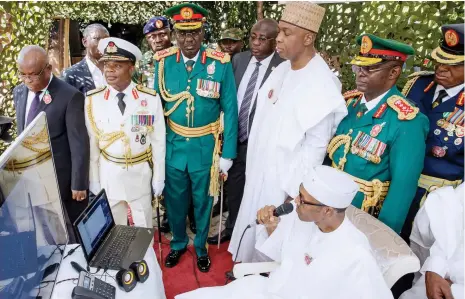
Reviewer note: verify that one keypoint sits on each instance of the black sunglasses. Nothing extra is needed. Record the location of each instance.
(309, 203)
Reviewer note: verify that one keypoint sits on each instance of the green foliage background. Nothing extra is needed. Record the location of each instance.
(415, 23)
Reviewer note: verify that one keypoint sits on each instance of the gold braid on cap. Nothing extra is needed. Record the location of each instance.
(178, 98)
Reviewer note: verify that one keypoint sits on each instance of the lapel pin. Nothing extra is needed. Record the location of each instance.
(47, 98)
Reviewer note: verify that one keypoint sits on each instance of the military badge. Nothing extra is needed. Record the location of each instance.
(429, 86)
(208, 89)
(458, 141)
(143, 103)
(111, 48)
(308, 259)
(459, 131)
(380, 112)
(106, 94)
(366, 45)
(368, 148)
(270, 93)
(47, 98)
(211, 68)
(143, 139)
(135, 94)
(405, 111)
(460, 100)
(377, 129)
(440, 122)
(187, 13)
(137, 138)
(437, 132)
(451, 38)
(438, 151)
(450, 133)
(159, 24)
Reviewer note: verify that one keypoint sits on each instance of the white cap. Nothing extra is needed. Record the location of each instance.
(330, 186)
(117, 49)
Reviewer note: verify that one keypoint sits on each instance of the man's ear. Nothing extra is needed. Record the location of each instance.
(309, 39)
(395, 72)
(84, 42)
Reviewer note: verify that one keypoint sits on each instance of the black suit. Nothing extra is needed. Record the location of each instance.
(68, 136)
(79, 76)
(236, 175)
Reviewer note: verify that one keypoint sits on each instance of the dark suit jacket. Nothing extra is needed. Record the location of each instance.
(79, 76)
(68, 133)
(241, 61)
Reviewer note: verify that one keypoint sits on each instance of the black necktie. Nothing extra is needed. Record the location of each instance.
(34, 109)
(121, 103)
(442, 94)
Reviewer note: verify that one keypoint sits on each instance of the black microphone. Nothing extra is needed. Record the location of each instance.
(77, 267)
(282, 210)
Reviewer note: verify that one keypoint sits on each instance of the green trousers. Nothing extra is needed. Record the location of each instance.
(177, 203)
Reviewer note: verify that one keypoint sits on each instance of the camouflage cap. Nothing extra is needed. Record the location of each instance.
(232, 33)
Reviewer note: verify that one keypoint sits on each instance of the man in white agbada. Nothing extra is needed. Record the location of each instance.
(321, 253)
(298, 110)
(438, 240)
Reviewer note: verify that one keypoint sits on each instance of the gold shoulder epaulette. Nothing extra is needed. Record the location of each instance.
(165, 53)
(351, 94)
(144, 89)
(420, 74)
(221, 56)
(405, 110)
(94, 91)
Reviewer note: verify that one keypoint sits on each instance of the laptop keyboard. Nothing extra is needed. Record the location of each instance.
(118, 248)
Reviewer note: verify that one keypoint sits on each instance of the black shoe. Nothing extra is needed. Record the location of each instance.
(172, 259)
(225, 236)
(165, 226)
(192, 227)
(203, 263)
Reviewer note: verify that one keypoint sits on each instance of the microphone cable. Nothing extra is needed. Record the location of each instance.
(228, 277)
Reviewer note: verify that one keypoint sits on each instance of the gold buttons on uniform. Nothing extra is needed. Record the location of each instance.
(189, 81)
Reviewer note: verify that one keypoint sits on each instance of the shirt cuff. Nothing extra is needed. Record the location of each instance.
(435, 264)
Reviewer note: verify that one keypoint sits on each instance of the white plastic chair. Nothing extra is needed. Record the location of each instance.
(392, 254)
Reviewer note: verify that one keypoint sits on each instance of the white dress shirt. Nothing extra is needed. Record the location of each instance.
(96, 73)
(30, 98)
(246, 78)
(372, 104)
(451, 92)
(196, 57)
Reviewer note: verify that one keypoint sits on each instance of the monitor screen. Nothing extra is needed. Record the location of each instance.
(94, 223)
(32, 226)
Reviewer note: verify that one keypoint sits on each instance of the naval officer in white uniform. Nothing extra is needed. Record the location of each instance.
(127, 136)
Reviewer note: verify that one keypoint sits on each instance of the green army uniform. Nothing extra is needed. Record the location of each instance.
(382, 149)
(192, 104)
(144, 73)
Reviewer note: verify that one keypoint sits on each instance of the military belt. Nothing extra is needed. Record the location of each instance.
(16, 165)
(431, 183)
(136, 159)
(375, 192)
(187, 132)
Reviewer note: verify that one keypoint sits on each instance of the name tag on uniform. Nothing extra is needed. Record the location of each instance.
(368, 148)
(208, 88)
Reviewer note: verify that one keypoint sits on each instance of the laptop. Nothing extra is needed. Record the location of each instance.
(106, 245)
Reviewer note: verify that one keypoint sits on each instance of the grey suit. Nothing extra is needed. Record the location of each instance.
(236, 175)
(68, 136)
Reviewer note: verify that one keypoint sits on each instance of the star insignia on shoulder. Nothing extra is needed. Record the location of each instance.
(404, 108)
(165, 53)
(221, 56)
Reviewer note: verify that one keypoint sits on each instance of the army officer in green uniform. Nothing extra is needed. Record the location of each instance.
(381, 142)
(195, 84)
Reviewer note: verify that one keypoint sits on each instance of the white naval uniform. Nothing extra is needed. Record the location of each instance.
(438, 240)
(313, 265)
(131, 184)
(297, 114)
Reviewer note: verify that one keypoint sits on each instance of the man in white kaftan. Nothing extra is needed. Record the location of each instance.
(438, 240)
(298, 110)
(321, 253)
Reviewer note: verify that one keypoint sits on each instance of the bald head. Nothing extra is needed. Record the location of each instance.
(268, 25)
(262, 42)
(34, 68)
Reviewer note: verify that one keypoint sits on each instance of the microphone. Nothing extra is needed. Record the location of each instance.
(77, 267)
(282, 210)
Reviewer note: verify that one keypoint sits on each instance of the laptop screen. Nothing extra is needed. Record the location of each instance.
(94, 224)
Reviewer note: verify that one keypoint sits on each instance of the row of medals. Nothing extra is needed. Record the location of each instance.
(439, 151)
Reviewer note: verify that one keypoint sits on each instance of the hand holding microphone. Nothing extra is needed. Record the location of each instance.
(269, 215)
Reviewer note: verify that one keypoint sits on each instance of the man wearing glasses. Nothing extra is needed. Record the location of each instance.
(381, 142)
(196, 84)
(64, 106)
(440, 96)
(321, 254)
(251, 69)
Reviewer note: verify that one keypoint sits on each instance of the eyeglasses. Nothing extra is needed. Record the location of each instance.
(310, 203)
(261, 39)
(368, 69)
(32, 77)
(183, 35)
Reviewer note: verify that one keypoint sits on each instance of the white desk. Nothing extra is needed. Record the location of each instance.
(152, 288)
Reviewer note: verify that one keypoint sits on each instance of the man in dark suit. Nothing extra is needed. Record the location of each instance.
(87, 74)
(251, 69)
(64, 107)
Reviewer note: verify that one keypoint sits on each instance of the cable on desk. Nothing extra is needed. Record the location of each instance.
(67, 280)
(71, 251)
